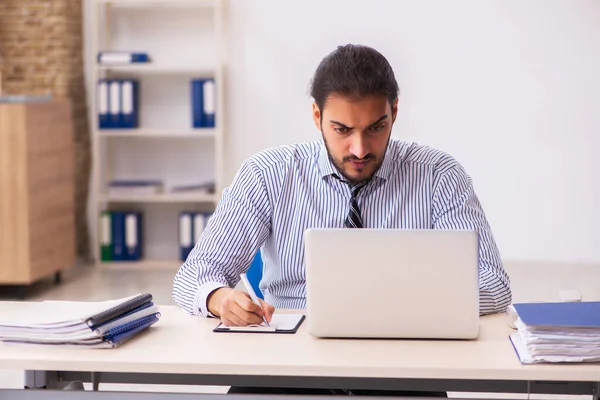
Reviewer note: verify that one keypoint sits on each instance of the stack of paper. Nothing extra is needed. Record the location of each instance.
(104, 324)
(557, 332)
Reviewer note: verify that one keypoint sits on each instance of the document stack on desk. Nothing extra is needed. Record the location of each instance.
(105, 324)
(557, 332)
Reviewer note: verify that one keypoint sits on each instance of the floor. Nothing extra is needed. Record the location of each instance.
(91, 284)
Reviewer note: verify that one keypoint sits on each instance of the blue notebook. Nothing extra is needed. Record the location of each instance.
(566, 315)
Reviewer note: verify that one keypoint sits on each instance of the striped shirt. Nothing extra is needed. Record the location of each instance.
(280, 192)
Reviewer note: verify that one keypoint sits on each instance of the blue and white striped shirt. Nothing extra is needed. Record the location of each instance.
(280, 192)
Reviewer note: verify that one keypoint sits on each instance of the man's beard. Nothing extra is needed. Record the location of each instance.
(340, 164)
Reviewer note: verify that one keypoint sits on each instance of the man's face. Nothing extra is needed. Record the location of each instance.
(356, 133)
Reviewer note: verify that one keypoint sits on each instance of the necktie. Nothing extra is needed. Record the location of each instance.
(353, 220)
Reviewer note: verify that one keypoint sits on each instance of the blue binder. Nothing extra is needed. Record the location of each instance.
(186, 234)
(133, 236)
(118, 235)
(203, 103)
(114, 103)
(120, 338)
(562, 315)
(102, 102)
(121, 57)
(128, 326)
(129, 103)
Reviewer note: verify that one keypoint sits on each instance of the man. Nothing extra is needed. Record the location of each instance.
(356, 176)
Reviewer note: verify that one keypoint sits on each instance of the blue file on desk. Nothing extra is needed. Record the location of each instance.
(560, 315)
(557, 332)
(78, 324)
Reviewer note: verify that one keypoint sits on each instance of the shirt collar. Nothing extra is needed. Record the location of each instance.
(326, 167)
(385, 170)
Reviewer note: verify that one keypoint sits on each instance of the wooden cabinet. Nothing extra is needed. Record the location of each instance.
(37, 229)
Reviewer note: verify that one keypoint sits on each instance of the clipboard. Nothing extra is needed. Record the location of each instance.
(280, 323)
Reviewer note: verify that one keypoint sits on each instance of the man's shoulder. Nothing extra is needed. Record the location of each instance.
(280, 156)
(411, 152)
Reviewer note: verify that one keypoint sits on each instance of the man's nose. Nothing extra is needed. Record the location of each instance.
(359, 146)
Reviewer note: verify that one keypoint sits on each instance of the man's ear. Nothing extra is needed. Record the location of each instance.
(394, 110)
(316, 116)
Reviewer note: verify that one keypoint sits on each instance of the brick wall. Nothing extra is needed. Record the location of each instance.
(41, 44)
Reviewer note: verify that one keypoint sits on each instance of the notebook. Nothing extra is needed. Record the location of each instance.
(52, 315)
(104, 324)
(280, 323)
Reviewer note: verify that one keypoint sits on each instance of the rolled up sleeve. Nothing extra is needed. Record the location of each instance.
(456, 206)
(231, 238)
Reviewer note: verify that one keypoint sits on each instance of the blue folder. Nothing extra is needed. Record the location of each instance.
(568, 314)
(129, 103)
(118, 235)
(203, 103)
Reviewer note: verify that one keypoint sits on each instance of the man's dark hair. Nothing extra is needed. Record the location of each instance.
(354, 71)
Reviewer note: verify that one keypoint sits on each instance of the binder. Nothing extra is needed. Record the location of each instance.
(129, 103)
(118, 236)
(208, 103)
(119, 309)
(560, 315)
(103, 324)
(199, 224)
(203, 103)
(102, 99)
(146, 309)
(106, 249)
(186, 235)
(119, 339)
(133, 236)
(121, 57)
(128, 326)
(563, 332)
(114, 104)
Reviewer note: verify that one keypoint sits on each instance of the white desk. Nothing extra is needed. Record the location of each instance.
(182, 349)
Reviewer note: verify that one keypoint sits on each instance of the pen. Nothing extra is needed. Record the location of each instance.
(252, 294)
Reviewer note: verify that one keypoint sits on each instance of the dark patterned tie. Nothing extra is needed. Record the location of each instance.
(353, 220)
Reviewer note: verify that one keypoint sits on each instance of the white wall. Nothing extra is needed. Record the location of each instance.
(508, 87)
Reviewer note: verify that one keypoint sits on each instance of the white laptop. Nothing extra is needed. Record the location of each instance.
(391, 283)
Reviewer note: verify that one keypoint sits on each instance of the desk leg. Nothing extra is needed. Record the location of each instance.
(41, 379)
(95, 381)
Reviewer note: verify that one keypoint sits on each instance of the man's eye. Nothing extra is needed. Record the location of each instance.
(341, 130)
(378, 128)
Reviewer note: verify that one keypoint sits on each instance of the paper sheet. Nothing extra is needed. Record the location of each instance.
(281, 322)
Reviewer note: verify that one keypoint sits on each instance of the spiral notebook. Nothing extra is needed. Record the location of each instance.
(280, 323)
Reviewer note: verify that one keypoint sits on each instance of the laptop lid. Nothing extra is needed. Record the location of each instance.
(392, 283)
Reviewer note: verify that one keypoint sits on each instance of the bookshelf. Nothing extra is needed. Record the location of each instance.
(184, 40)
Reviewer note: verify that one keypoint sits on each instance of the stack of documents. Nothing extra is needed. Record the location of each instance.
(105, 324)
(557, 332)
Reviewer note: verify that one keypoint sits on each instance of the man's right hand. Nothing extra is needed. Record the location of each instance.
(236, 308)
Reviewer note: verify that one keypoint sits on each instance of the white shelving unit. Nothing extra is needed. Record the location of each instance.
(185, 40)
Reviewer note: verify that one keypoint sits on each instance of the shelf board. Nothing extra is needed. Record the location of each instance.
(147, 265)
(150, 68)
(158, 133)
(163, 3)
(183, 197)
